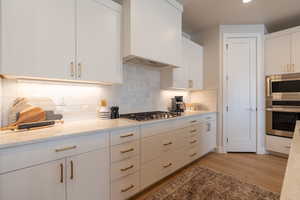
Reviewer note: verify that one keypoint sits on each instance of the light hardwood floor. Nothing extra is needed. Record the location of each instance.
(266, 171)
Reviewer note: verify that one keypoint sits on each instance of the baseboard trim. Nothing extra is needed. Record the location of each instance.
(221, 149)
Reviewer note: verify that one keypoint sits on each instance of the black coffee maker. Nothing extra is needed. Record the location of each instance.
(178, 105)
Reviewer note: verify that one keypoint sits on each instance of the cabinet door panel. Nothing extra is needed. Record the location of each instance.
(296, 51)
(278, 55)
(195, 58)
(156, 35)
(88, 176)
(41, 182)
(99, 42)
(38, 38)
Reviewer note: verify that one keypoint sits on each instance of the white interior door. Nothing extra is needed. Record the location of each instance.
(240, 58)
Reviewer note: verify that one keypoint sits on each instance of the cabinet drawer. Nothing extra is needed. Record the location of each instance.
(125, 151)
(125, 187)
(210, 117)
(192, 142)
(192, 154)
(278, 144)
(33, 154)
(124, 135)
(157, 128)
(153, 147)
(124, 168)
(194, 130)
(161, 167)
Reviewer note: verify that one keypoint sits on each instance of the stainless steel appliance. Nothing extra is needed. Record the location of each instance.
(147, 116)
(282, 104)
(178, 105)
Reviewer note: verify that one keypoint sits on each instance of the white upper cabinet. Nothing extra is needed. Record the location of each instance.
(190, 73)
(38, 38)
(62, 39)
(98, 42)
(194, 58)
(278, 54)
(152, 31)
(282, 50)
(296, 51)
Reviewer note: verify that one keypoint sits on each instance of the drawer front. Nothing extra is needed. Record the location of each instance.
(194, 130)
(192, 142)
(124, 136)
(210, 117)
(125, 151)
(33, 154)
(278, 144)
(157, 128)
(161, 167)
(153, 147)
(192, 154)
(125, 187)
(124, 168)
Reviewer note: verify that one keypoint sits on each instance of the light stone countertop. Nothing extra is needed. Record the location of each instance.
(291, 185)
(9, 139)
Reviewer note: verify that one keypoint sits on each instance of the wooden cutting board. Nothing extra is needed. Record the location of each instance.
(31, 114)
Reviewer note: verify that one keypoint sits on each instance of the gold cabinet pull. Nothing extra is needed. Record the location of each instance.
(127, 168)
(167, 144)
(128, 135)
(193, 131)
(72, 69)
(66, 149)
(127, 151)
(192, 155)
(61, 173)
(79, 70)
(168, 165)
(72, 170)
(193, 142)
(128, 188)
(194, 121)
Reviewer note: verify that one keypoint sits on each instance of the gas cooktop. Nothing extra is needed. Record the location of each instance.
(147, 116)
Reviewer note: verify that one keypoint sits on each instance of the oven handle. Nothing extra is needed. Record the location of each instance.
(293, 110)
(269, 87)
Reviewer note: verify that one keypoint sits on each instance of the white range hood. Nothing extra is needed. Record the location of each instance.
(152, 32)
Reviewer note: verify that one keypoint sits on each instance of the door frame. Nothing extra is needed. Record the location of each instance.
(259, 65)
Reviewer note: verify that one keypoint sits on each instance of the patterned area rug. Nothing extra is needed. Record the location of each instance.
(197, 183)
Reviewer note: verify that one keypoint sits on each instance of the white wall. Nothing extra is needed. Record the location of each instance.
(140, 93)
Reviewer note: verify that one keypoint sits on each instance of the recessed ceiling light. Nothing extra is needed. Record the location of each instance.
(247, 1)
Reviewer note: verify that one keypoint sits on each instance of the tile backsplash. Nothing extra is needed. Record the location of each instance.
(140, 92)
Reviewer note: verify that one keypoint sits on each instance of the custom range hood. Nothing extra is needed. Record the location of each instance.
(152, 32)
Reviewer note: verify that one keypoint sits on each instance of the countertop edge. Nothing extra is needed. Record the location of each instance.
(59, 134)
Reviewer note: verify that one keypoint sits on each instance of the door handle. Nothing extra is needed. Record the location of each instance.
(72, 170)
(79, 70)
(61, 173)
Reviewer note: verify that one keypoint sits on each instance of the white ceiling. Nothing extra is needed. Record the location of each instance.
(276, 14)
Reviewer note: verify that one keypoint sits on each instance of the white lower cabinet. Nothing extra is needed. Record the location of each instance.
(42, 182)
(126, 187)
(87, 176)
(165, 152)
(103, 166)
(81, 171)
(278, 144)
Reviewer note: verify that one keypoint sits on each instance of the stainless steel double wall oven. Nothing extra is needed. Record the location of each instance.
(282, 104)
